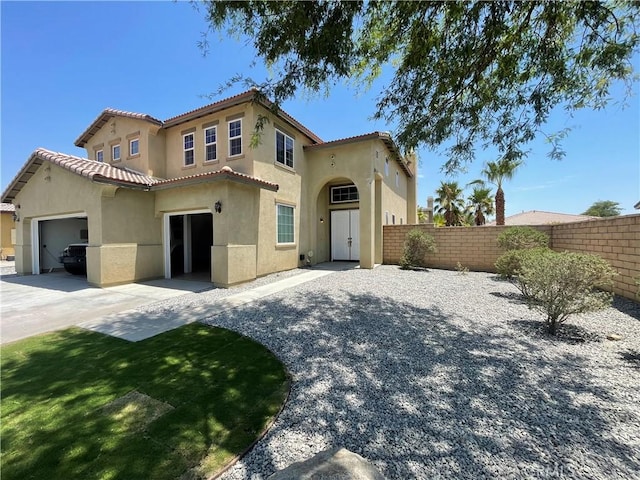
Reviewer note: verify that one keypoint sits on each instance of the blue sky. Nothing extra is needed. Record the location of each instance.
(64, 62)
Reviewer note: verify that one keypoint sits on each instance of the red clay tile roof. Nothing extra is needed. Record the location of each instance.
(384, 136)
(104, 117)
(538, 217)
(104, 173)
(248, 96)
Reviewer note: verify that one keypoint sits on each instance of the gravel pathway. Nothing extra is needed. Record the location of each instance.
(442, 375)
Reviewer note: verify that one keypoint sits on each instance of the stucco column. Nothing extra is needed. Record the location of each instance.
(367, 223)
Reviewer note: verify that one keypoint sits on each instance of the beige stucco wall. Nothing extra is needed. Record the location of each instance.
(114, 217)
(360, 163)
(175, 147)
(120, 130)
(53, 191)
(6, 226)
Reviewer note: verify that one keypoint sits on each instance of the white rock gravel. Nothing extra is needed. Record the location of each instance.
(435, 374)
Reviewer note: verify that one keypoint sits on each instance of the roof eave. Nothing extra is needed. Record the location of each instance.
(188, 182)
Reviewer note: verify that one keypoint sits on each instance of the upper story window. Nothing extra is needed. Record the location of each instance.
(100, 155)
(285, 223)
(344, 194)
(386, 167)
(134, 147)
(188, 149)
(235, 137)
(210, 144)
(284, 149)
(115, 152)
(397, 179)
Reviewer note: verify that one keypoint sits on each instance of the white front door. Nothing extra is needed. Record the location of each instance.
(345, 235)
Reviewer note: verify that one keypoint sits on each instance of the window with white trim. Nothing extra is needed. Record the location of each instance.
(100, 156)
(188, 146)
(210, 144)
(115, 152)
(285, 223)
(235, 137)
(134, 147)
(284, 149)
(344, 194)
(393, 219)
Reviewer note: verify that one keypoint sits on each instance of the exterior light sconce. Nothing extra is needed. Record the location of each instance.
(218, 206)
(321, 219)
(16, 214)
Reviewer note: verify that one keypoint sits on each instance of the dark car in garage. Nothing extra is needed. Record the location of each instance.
(74, 258)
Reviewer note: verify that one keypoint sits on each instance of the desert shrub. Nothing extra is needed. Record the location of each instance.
(520, 238)
(416, 247)
(508, 264)
(562, 284)
(516, 240)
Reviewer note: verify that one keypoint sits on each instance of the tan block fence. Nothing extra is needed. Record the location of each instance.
(616, 239)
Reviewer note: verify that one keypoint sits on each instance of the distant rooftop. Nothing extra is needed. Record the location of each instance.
(538, 217)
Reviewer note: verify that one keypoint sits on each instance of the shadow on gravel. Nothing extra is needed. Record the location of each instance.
(420, 396)
(565, 332)
(631, 356)
(513, 297)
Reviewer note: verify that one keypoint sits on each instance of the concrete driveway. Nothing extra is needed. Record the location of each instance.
(36, 304)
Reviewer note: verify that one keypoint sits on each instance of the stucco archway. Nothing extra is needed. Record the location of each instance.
(335, 194)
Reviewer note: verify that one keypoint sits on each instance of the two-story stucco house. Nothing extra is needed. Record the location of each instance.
(194, 194)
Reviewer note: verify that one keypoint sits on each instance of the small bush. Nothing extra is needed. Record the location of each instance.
(561, 284)
(508, 264)
(520, 238)
(416, 247)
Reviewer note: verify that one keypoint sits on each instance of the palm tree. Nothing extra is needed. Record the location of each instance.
(481, 202)
(450, 203)
(496, 173)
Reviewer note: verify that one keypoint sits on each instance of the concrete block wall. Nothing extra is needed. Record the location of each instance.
(616, 239)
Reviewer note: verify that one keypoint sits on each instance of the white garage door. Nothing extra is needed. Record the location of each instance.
(345, 235)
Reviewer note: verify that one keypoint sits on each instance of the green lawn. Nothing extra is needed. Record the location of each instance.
(78, 404)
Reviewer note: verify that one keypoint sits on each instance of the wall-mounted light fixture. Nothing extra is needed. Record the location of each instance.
(321, 220)
(218, 206)
(16, 217)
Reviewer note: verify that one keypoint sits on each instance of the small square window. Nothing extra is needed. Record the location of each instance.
(134, 147)
(235, 137)
(188, 149)
(100, 156)
(285, 224)
(115, 153)
(210, 144)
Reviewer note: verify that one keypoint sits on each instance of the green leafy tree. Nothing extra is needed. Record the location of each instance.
(562, 284)
(481, 203)
(603, 208)
(468, 73)
(417, 246)
(450, 203)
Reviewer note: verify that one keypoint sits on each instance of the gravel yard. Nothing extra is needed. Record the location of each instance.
(441, 375)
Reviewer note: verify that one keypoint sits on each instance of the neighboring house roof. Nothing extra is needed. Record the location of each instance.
(537, 217)
(248, 96)
(106, 115)
(104, 173)
(384, 136)
(7, 207)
